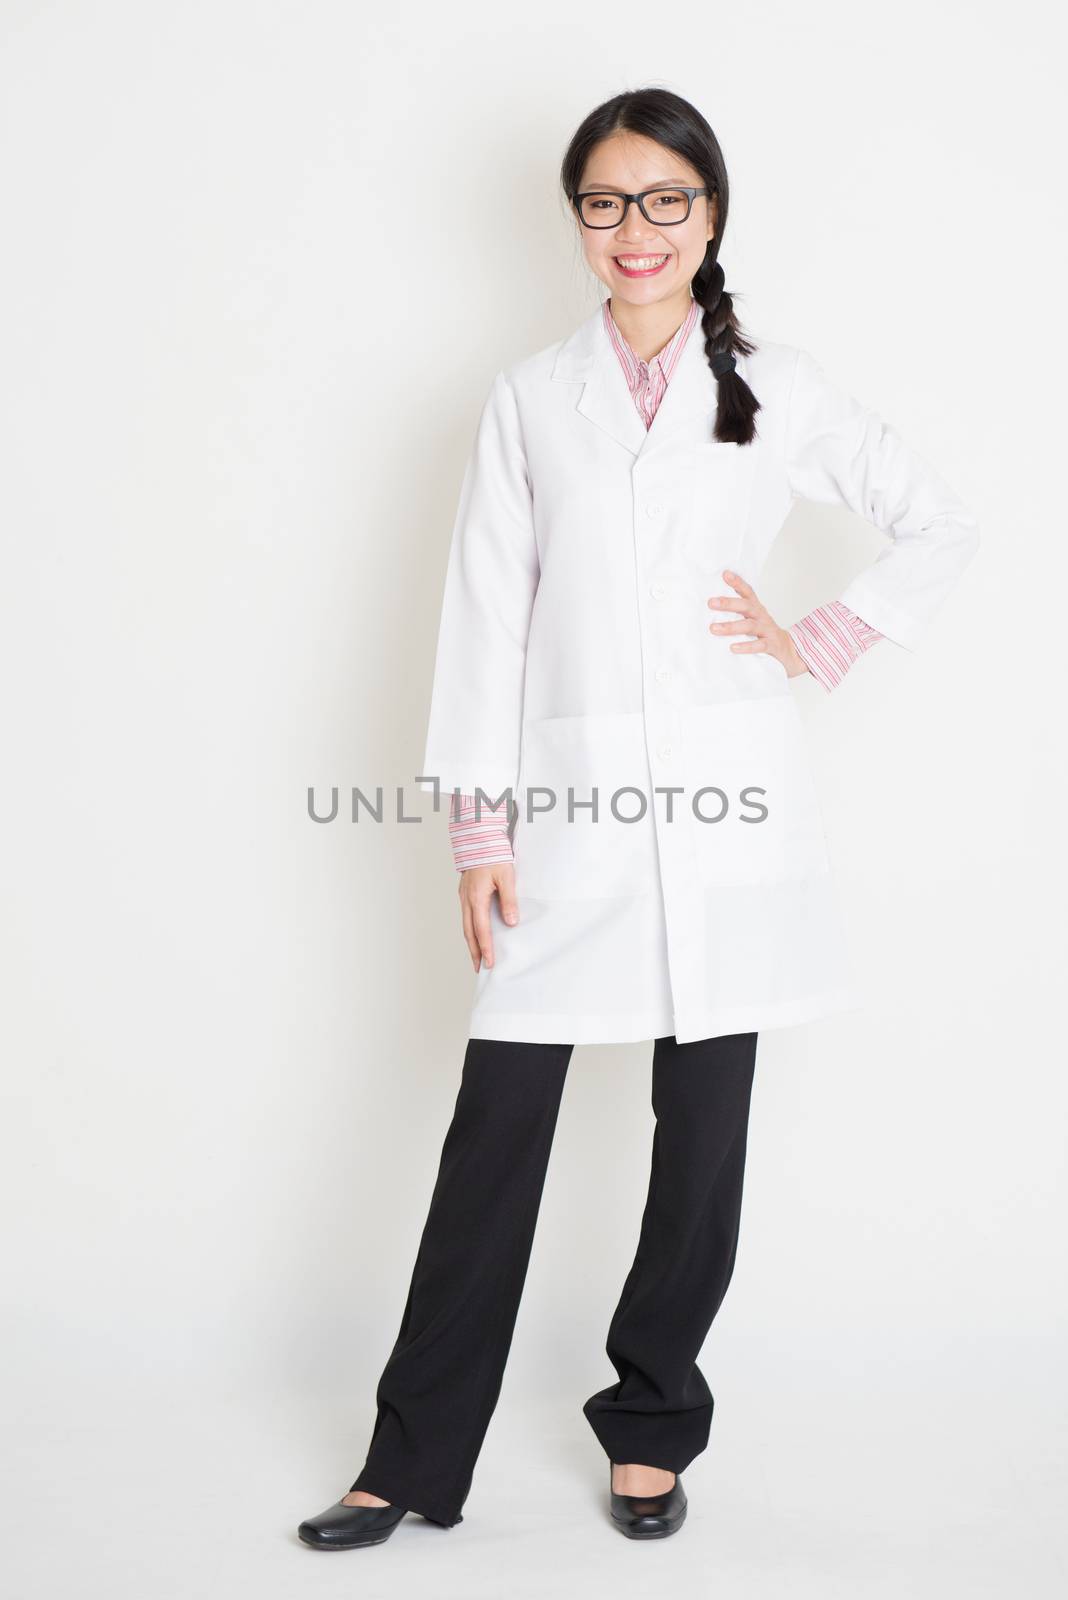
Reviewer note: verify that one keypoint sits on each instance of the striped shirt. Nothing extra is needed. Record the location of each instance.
(828, 640)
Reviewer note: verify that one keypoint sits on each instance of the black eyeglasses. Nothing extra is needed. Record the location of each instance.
(598, 208)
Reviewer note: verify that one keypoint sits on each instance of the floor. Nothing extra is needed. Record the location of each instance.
(841, 1485)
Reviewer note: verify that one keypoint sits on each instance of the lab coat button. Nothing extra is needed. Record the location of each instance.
(663, 674)
(654, 509)
(665, 751)
(658, 590)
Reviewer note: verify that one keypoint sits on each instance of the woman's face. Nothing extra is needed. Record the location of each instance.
(640, 262)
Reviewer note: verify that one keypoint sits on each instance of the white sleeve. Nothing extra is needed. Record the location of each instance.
(491, 579)
(839, 452)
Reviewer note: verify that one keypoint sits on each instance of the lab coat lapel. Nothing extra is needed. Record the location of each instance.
(689, 401)
(605, 400)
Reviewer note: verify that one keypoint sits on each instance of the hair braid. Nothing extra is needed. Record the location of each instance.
(737, 405)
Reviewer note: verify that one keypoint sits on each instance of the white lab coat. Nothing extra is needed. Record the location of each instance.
(574, 653)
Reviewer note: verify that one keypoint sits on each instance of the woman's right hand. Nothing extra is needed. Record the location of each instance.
(477, 887)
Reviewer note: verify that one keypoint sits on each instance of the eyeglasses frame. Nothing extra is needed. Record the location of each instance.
(639, 200)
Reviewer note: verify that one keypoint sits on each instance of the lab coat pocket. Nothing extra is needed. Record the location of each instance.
(587, 856)
(748, 774)
(723, 479)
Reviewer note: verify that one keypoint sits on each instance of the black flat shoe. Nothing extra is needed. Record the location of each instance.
(648, 1516)
(342, 1527)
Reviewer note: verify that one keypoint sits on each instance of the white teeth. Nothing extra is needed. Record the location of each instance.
(640, 263)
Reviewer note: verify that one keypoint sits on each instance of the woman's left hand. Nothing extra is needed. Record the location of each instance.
(756, 619)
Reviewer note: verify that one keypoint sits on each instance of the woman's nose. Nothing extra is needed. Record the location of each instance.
(634, 229)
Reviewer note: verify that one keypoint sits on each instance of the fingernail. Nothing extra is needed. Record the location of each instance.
(509, 916)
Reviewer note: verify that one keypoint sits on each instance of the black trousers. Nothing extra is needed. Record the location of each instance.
(441, 1383)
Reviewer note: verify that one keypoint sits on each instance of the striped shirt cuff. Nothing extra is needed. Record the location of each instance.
(478, 841)
(829, 640)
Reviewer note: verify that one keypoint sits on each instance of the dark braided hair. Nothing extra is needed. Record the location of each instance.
(677, 125)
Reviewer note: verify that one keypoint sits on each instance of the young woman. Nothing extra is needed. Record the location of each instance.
(605, 661)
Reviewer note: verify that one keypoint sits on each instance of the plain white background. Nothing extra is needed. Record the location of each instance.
(261, 262)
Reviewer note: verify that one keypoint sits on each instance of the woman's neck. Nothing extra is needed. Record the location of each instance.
(647, 329)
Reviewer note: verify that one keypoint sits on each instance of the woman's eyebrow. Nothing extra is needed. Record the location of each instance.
(657, 183)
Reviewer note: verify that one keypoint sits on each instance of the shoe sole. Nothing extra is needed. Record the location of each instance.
(654, 1533)
(345, 1544)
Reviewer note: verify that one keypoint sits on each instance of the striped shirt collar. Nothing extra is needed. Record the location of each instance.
(666, 359)
(648, 380)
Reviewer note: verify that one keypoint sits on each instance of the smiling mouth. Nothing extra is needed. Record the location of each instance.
(639, 263)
